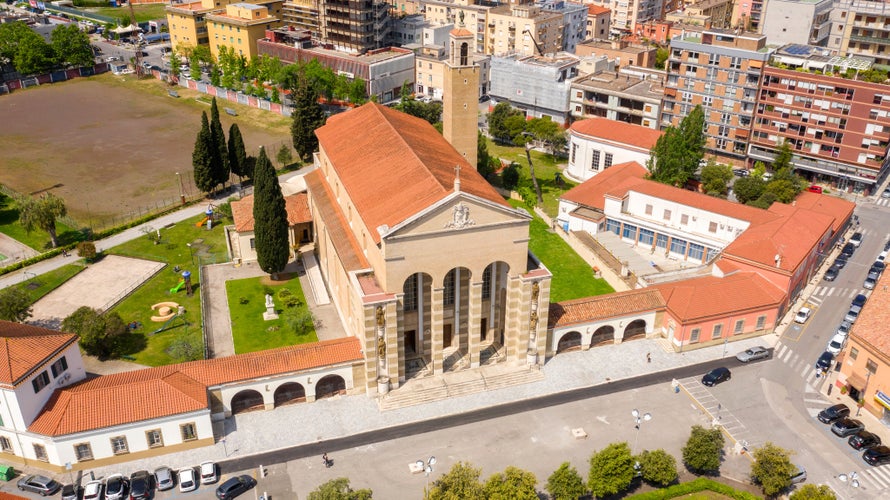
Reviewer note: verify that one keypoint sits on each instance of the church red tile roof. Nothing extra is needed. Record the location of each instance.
(24, 348)
(599, 307)
(297, 206)
(350, 254)
(701, 299)
(177, 389)
(393, 165)
(619, 132)
(616, 177)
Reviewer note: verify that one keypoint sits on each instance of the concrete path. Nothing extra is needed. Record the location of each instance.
(218, 329)
(316, 283)
(12, 250)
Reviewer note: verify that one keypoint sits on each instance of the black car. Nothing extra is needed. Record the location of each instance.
(848, 250)
(69, 492)
(484, 98)
(234, 487)
(824, 361)
(847, 427)
(887, 245)
(716, 376)
(877, 268)
(831, 273)
(859, 300)
(140, 485)
(864, 439)
(39, 484)
(833, 413)
(841, 261)
(878, 455)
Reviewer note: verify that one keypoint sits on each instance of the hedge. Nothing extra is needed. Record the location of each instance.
(699, 484)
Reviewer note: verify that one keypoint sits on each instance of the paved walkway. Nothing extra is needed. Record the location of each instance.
(218, 327)
(12, 251)
(316, 283)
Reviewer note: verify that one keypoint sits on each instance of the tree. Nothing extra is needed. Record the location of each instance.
(704, 449)
(658, 467)
(784, 190)
(772, 468)
(15, 304)
(270, 218)
(219, 153)
(10, 35)
(483, 159)
(71, 46)
(237, 155)
(202, 157)
(338, 489)
(175, 63)
(513, 483)
(783, 158)
(307, 117)
(715, 178)
(678, 152)
(497, 126)
(460, 483)
(565, 483)
(661, 55)
(764, 201)
(33, 56)
(510, 176)
(186, 349)
(356, 91)
(97, 332)
(41, 213)
(284, 155)
(814, 492)
(611, 470)
(749, 188)
(300, 321)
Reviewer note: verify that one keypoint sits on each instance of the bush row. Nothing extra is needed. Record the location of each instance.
(699, 484)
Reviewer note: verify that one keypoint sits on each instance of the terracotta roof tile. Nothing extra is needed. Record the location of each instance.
(620, 132)
(596, 9)
(871, 327)
(25, 347)
(603, 306)
(296, 205)
(348, 250)
(590, 193)
(176, 389)
(461, 32)
(838, 208)
(411, 165)
(698, 299)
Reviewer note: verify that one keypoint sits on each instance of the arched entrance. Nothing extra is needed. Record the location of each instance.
(635, 330)
(417, 320)
(247, 400)
(494, 299)
(602, 336)
(330, 386)
(569, 342)
(289, 393)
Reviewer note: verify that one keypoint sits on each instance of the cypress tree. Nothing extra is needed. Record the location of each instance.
(237, 155)
(219, 151)
(307, 116)
(201, 158)
(270, 218)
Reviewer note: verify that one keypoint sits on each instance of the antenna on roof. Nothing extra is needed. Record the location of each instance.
(457, 178)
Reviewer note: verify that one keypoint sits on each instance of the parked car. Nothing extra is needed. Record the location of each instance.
(187, 480)
(116, 487)
(39, 484)
(852, 314)
(843, 328)
(164, 479)
(815, 189)
(881, 256)
(69, 492)
(848, 249)
(859, 300)
(715, 376)
(741, 172)
(799, 476)
(887, 245)
(824, 361)
(864, 439)
(140, 485)
(484, 98)
(234, 487)
(878, 267)
(847, 427)
(208, 473)
(803, 315)
(833, 413)
(752, 354)
(856, 239)
(836, 344)
(885, 193)
(878, 455)
(93, 490)
(831, 273)
(841, 261)
(869, 283)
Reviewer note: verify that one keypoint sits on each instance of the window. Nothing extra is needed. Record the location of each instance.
(646, 236)
(740, 325)
(693, 337)
(735, 63)
(761, 323)
(5, 444)
(667, 215)
(712, 227)
(678, 246)
(253, 244)
(448, 298)
(59, 366)
(154, 438)
(410, 289)
(608, 162)
(83, 452)
(718, 331)
(696, 252)
(119, 445)
(630, 231)
(40, 381)
(648, 209)
(684, 219)
(486, 283)
(574, 152)
(40, 452)
(595, 160)
(188, 432)
(854, 353)
(871, 366)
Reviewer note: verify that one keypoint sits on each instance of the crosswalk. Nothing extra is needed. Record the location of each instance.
(823, 292)
(804, 367)
(882, 202)
(718, 414)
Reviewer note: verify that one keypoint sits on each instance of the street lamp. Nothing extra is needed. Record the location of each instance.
(427, 470)
(852, 477)
(639, 418)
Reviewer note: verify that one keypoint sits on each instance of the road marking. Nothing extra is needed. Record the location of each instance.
(780, 350)
(878, 476)
(830, 292)
(786, 355)
(803, 372)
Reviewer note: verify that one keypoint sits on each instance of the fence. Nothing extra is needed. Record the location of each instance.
(80, 13)
(20, 82)
(130, 289)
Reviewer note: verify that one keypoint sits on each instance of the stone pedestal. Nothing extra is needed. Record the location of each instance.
(382, 385)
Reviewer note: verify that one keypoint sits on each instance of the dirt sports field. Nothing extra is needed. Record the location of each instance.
(108, 146)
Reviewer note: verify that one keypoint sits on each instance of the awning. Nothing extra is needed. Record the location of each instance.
(856, 381)
(883, 399)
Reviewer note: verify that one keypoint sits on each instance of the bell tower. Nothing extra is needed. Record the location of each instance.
(460, 97)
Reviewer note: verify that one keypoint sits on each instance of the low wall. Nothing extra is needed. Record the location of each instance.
(56, 76)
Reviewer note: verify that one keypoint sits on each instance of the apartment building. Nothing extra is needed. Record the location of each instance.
(430, 68)
(537, 85)
(622, 52)
(806, 22)
(838, 128)
(303, 15)
(618, 97)
(188, 25)
(574, 22)
(523, 29)
(599, 22)
(861, 28)
(708, 13)
(472, 16)
(239, 27)
(355, 25)
(626, 15)
(719, 70)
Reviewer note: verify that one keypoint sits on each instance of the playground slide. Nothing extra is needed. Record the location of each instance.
(178, 287)
(202, 222)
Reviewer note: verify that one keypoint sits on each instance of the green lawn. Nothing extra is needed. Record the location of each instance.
(37, 287)
(247, 304)
(546, 167)
(147, 12)
(572, 277)
(208, 247)
(37, 239)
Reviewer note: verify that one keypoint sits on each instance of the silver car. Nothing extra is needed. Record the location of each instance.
(752, 354)
(164, 478)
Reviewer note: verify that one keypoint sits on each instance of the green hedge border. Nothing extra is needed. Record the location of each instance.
(695, 486)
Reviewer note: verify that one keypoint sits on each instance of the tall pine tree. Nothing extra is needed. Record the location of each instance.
(219, 152)
(678, 152)
(307, 116)
(237, 155)
(270, 218)
(201, 158)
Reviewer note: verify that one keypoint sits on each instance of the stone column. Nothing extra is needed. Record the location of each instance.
(516, 327)
(380, 337)
(436, 334)
(531, 356)
(474, 333)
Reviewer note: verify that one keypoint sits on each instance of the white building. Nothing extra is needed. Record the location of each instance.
(596, 144)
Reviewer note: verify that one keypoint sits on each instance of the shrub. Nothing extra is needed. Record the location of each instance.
(87, 250)
(243, 300)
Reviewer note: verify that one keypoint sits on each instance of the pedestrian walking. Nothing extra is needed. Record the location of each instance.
(648, 357)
